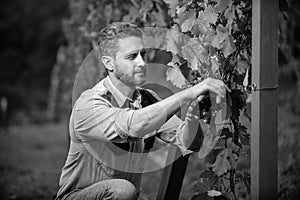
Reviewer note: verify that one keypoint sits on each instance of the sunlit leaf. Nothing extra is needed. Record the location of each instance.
(228, 46)
(222, 5)
(220, 37)
(214, 193)
(172, 5)
(194, 52)
(215, 65)
(210, 139)
(208, 16)
(172, 37)
(230, 16)
(190, 54)
(242, 66)
(222, 164)
(158, 18)
(188, 24)
(153, 38)
(176, 77)
(182, 16)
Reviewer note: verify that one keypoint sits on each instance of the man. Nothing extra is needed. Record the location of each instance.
(115, 123)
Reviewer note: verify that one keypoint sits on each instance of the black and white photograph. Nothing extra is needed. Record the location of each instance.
(150, 100)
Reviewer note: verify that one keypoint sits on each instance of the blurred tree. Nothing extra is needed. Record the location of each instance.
(30, 33)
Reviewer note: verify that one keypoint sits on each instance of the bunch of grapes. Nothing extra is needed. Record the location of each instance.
(204, 105)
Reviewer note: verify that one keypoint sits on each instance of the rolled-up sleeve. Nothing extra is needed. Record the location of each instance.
(171, 132)
(95, 118)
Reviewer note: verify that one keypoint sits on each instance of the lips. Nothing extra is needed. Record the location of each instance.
(141, 72)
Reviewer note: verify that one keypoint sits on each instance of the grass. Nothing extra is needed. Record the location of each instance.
(30, 161)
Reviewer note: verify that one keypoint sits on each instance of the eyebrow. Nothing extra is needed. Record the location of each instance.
(130, 53)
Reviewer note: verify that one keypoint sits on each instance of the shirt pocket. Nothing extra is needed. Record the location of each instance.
(109, 172)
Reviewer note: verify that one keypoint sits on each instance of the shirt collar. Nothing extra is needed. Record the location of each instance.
(118, 95)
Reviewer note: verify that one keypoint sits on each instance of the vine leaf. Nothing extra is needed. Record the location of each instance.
(207, 180)
(244, 136)
(215, 66)
(230, 16)
(194, 52)
(188, 24)
(172, 6)
(228, 46)
(208, 16)
(190, 54)
(153, 38)
(222, 5)
(209, 141)
(222, 164)
(172, 38)
(184, 15)
(214, 193)
(158, 19)
(176, 77)
(212, 155)
(220, 37)
(242, 66)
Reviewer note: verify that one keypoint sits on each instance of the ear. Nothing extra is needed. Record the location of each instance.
(108, 62)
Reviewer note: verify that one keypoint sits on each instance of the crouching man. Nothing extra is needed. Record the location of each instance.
(116, 122)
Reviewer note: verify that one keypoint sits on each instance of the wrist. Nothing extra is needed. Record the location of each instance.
(192, 93)
(197, 90)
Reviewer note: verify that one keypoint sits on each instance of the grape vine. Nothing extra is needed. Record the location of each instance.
(219, 46)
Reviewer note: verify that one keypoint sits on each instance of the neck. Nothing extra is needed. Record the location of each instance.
(127, 90)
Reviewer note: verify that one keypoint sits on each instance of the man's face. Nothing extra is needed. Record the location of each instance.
(130, 65)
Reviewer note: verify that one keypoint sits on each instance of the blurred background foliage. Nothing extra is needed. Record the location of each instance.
(31, 34)
(43, 43)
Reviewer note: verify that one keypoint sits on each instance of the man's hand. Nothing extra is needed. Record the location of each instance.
(192, 113)
(217, 87)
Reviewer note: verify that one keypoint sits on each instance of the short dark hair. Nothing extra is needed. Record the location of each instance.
(107, 38)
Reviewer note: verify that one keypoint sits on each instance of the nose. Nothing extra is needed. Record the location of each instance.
(140, 60)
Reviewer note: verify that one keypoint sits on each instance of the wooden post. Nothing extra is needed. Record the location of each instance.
(264, 99)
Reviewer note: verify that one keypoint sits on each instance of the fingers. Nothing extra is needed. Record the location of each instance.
(218, 99)
(201, 97)
(215, 86)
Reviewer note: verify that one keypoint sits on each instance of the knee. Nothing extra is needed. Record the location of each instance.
(125, 190)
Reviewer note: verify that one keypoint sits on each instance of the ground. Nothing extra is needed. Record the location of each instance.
(31, 158)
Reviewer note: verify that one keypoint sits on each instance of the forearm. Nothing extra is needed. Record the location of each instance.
(154, 116)
(192, 133)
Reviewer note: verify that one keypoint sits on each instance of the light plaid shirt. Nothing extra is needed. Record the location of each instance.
(100, 143)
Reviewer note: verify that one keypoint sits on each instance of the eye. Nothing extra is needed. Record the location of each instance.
(143, 53)
(132, 56)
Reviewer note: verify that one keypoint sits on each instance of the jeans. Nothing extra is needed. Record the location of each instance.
(112, 189)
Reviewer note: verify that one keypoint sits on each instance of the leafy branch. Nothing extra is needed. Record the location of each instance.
(219, 46)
